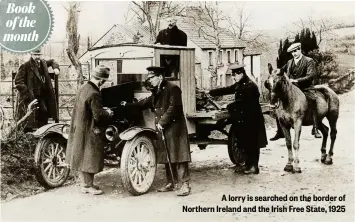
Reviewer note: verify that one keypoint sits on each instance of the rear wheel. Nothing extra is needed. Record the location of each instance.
(236, 154)
(51, 169)
(138, 165)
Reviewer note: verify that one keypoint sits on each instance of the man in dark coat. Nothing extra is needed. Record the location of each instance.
(172, 35)
(166, 104)
(85, 147)
(301, 71)
(34, 82)
(246, 115)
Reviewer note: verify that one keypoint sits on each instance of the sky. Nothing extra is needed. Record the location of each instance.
(97, 17)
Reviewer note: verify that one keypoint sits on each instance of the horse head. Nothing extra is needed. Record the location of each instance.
(276, 84)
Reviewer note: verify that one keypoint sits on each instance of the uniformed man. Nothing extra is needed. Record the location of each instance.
(246, 116)
(166, 104)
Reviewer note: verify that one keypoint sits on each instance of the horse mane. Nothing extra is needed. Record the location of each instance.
(284, 86)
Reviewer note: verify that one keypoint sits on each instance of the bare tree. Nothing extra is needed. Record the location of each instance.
(151, 13)
(241, 27)
(241, 24)
(207, 17)
(323, 28)
(74, 39)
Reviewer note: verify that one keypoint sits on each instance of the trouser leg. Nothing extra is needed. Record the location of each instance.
(279, 130)
(279, 134)
(252, 155)
(183, 172)
(255, 156)
(313, 107)
(248, 156)
(184, 178)
(86, 179)
(41, 114)
(168, 174)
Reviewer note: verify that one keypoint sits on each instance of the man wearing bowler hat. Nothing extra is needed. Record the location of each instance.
(166, 104)
(33, 81)
(85, 147)
(301, 71)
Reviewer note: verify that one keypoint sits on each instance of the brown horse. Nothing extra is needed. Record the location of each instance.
(292, 110)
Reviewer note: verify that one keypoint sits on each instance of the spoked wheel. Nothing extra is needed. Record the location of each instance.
(236, 154)
(138, 165)
(51, 169)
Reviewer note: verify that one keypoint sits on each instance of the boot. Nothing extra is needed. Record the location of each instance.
(240, 169)
(277, 136)
(252, 170)
(184, 190)
(92, 190)
(316, 133)
(168, 187)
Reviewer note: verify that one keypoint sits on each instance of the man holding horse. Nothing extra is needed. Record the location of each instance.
(301, 71)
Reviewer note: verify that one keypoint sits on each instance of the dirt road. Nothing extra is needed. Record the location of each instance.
(213, 177)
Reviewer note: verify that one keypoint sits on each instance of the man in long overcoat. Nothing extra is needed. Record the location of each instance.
(246, 115)
(85, 147)
(172, 35)
(301, 71)
(33, 81)
(166, 104)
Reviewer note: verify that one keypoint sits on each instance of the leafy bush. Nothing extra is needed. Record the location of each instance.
(17, 158)
(327, 66)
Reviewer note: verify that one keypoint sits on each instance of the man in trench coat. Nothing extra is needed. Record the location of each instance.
(166, 104)
(33, 81)
(85, 147)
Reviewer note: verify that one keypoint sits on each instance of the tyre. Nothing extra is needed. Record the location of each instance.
(236, 154)
(138, 165)
(51, 169)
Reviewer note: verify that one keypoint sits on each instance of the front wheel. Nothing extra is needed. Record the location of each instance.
(236, 154)
(138, 165)
(51, 169)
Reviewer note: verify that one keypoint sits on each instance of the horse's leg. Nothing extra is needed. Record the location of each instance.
(287, 133)
(296, 145)
(333, 118)
(324, 130)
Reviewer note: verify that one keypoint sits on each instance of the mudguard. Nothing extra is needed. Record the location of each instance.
(130, 133)
(50, 128)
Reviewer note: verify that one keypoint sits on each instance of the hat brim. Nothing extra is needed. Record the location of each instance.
(292, 50)
(100, 77)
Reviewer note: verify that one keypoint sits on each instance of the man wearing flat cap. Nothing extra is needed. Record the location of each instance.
(33, 81)
(248, 125)
(172, 35)
(85, 147)
(301, 71)
(166, 104)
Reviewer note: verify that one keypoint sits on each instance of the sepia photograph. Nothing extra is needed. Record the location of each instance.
(177, 110)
